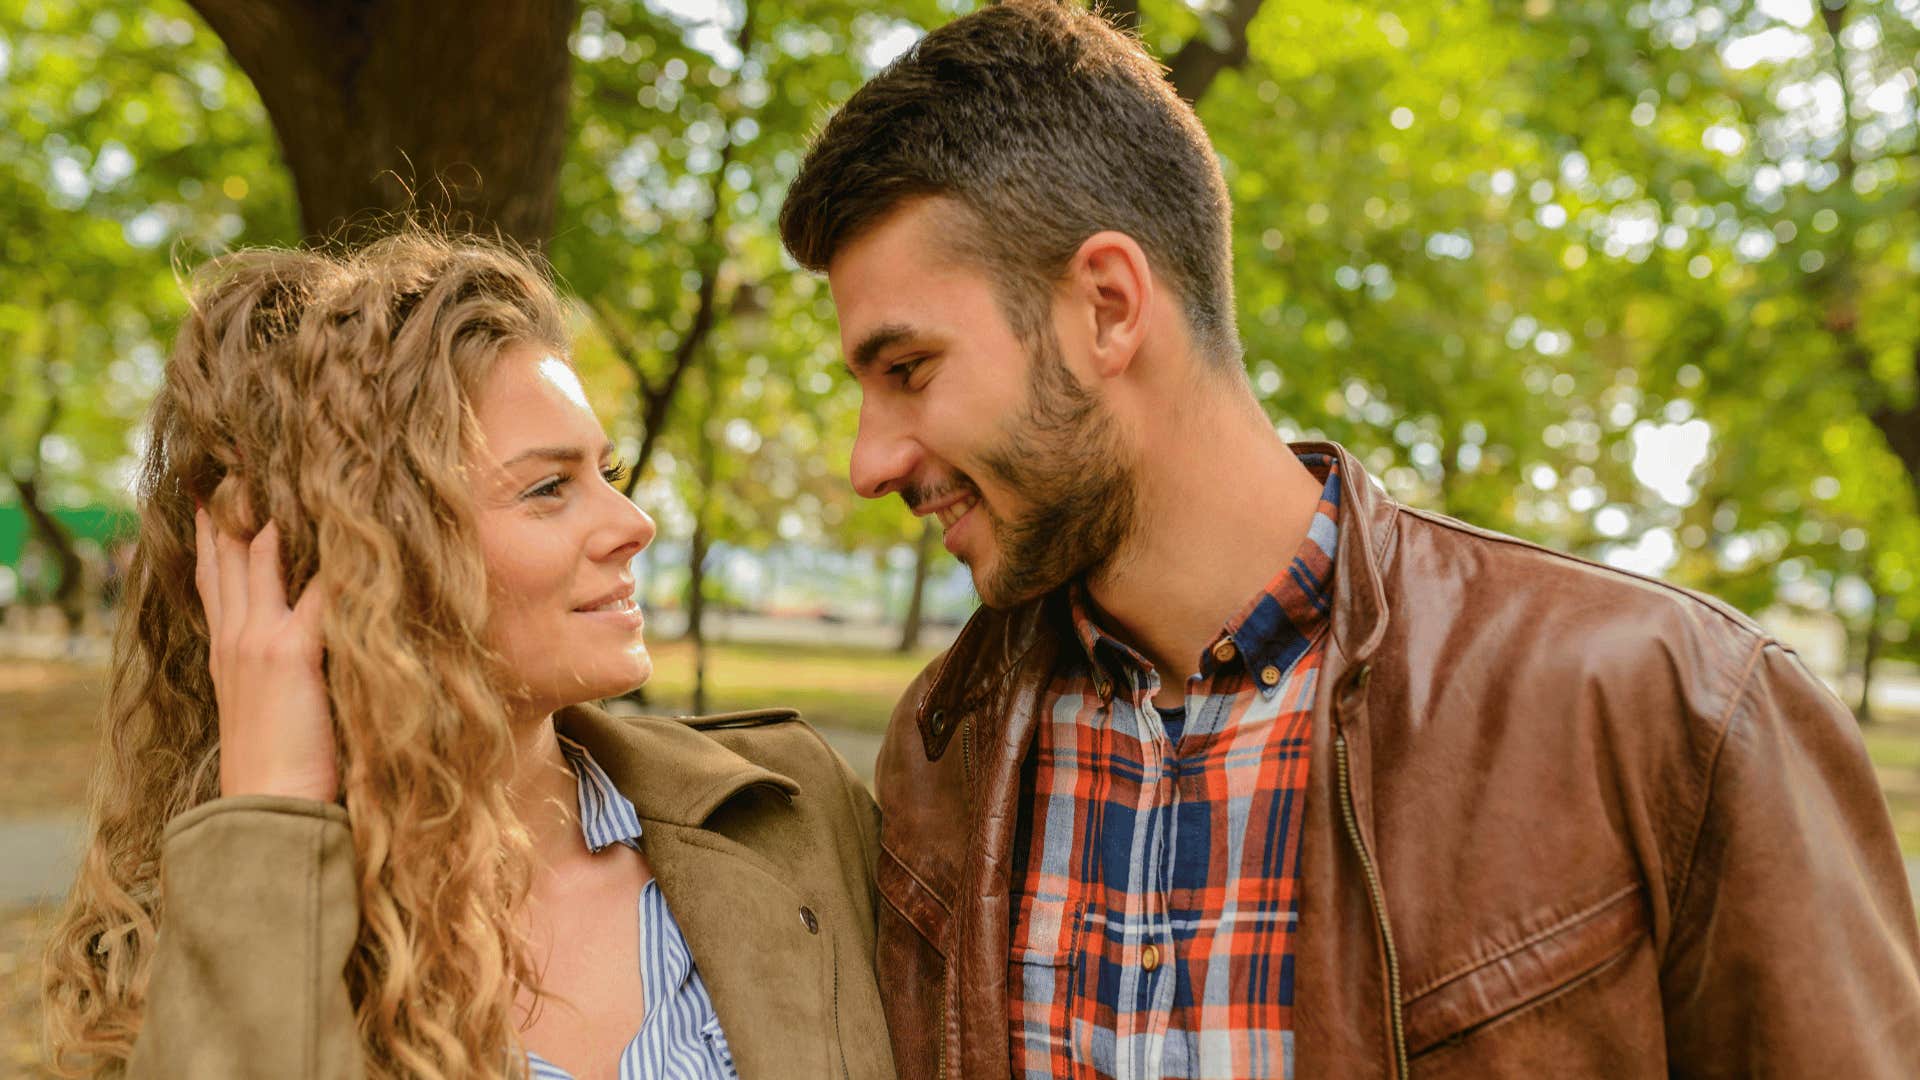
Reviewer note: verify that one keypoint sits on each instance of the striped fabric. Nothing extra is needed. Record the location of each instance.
(679, 1036)
(1155, 880)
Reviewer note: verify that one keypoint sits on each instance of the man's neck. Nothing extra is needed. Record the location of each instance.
(1224, 504)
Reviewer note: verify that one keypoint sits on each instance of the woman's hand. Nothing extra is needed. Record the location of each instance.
(276, 733)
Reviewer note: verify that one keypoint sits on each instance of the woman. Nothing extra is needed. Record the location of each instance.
(354, 817)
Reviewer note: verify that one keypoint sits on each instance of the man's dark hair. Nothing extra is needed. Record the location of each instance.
(1045, 125)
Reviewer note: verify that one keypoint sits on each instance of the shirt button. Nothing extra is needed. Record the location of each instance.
(1223, 650)
(1270, 675)
(812, 923)
(1149, 958)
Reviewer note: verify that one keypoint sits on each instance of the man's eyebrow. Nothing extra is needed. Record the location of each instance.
(870, 347)
(564, 455)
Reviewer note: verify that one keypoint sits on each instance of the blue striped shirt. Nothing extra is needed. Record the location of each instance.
(679, 1036)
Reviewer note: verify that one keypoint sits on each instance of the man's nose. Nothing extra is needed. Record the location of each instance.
(884, 455)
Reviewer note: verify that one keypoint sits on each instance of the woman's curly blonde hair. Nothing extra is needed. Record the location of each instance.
(332, 393)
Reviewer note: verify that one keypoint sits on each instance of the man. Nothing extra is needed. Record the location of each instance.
(1245, 770)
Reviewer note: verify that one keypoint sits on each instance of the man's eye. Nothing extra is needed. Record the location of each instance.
(904, 369)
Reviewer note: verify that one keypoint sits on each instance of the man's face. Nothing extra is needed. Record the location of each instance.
(1022, 464)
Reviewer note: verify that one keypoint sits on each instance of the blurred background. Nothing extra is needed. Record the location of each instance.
(1638, 280)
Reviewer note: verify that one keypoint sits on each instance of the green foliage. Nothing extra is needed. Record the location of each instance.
(126, 139)
(1517, 254)
(1530, 258)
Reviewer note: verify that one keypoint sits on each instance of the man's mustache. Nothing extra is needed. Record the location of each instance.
(919, 495)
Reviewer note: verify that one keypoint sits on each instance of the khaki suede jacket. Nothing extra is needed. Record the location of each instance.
(761, 838)
(1560, 821)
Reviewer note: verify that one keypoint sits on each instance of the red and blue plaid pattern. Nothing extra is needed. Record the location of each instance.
(1154, 885)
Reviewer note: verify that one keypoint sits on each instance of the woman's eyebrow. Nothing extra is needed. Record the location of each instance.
(564, 455)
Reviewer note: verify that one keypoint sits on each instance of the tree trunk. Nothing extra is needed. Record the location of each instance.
(70, 595)
(697, 557)
(1836, 286)
(459, 110)
(1218, 46)
(922, 558)
(1870, 656)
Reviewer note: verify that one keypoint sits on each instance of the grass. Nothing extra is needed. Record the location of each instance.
(1893, 742)
(832, 686)
(50, 710)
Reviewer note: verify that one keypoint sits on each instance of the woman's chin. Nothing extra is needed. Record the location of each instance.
(636, 668)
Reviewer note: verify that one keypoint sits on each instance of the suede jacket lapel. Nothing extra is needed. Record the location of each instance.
(770, 970)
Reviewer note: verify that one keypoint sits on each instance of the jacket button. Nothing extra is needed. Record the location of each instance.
(1360, 676)
(937, 722)
(807, 917)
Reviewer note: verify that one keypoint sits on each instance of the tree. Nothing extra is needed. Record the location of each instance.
(388, 104)
(123, 138)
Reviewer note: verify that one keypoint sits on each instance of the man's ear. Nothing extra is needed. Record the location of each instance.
(1111, 278)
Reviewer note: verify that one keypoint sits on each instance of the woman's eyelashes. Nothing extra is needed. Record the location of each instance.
(554, 486)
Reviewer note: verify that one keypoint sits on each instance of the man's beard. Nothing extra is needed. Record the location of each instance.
(1063, 457)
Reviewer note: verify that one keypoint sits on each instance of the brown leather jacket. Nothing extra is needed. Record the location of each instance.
(1560, 821)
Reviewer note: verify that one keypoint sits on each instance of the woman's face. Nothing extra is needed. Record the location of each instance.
(557, 536)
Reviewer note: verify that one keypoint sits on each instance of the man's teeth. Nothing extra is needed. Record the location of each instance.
(955, 512)
(625, 603)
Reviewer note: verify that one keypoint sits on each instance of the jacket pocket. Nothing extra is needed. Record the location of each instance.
(911, 899)
(911, 965)
(1451, 1006)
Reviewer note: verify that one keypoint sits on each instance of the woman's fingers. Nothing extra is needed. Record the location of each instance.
(231, 552)
(310, 609)
(266, 595)
(206, 570)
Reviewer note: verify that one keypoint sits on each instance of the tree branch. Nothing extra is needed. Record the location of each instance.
(1218, 47)
(656, 399)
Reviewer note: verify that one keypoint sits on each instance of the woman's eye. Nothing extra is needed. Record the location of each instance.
(615, 474)
(548, 489)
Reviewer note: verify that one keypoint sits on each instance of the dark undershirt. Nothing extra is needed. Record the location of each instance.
(1174, 720)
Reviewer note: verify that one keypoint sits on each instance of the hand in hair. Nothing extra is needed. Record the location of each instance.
(276, 734)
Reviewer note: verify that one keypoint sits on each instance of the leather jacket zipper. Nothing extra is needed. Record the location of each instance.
(1378, 898)
(966, 748)
(940, 1036)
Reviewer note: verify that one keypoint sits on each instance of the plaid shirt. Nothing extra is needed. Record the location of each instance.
(1154, 898)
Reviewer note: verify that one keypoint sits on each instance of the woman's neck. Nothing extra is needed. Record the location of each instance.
(545, 793)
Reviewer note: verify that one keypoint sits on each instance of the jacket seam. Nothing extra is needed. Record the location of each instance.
(1441, 521)
(1583, 915)
(310, 1043)
(1727, 719)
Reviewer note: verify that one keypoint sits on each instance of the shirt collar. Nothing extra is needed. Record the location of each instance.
(606, 816)
(1274, 628)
